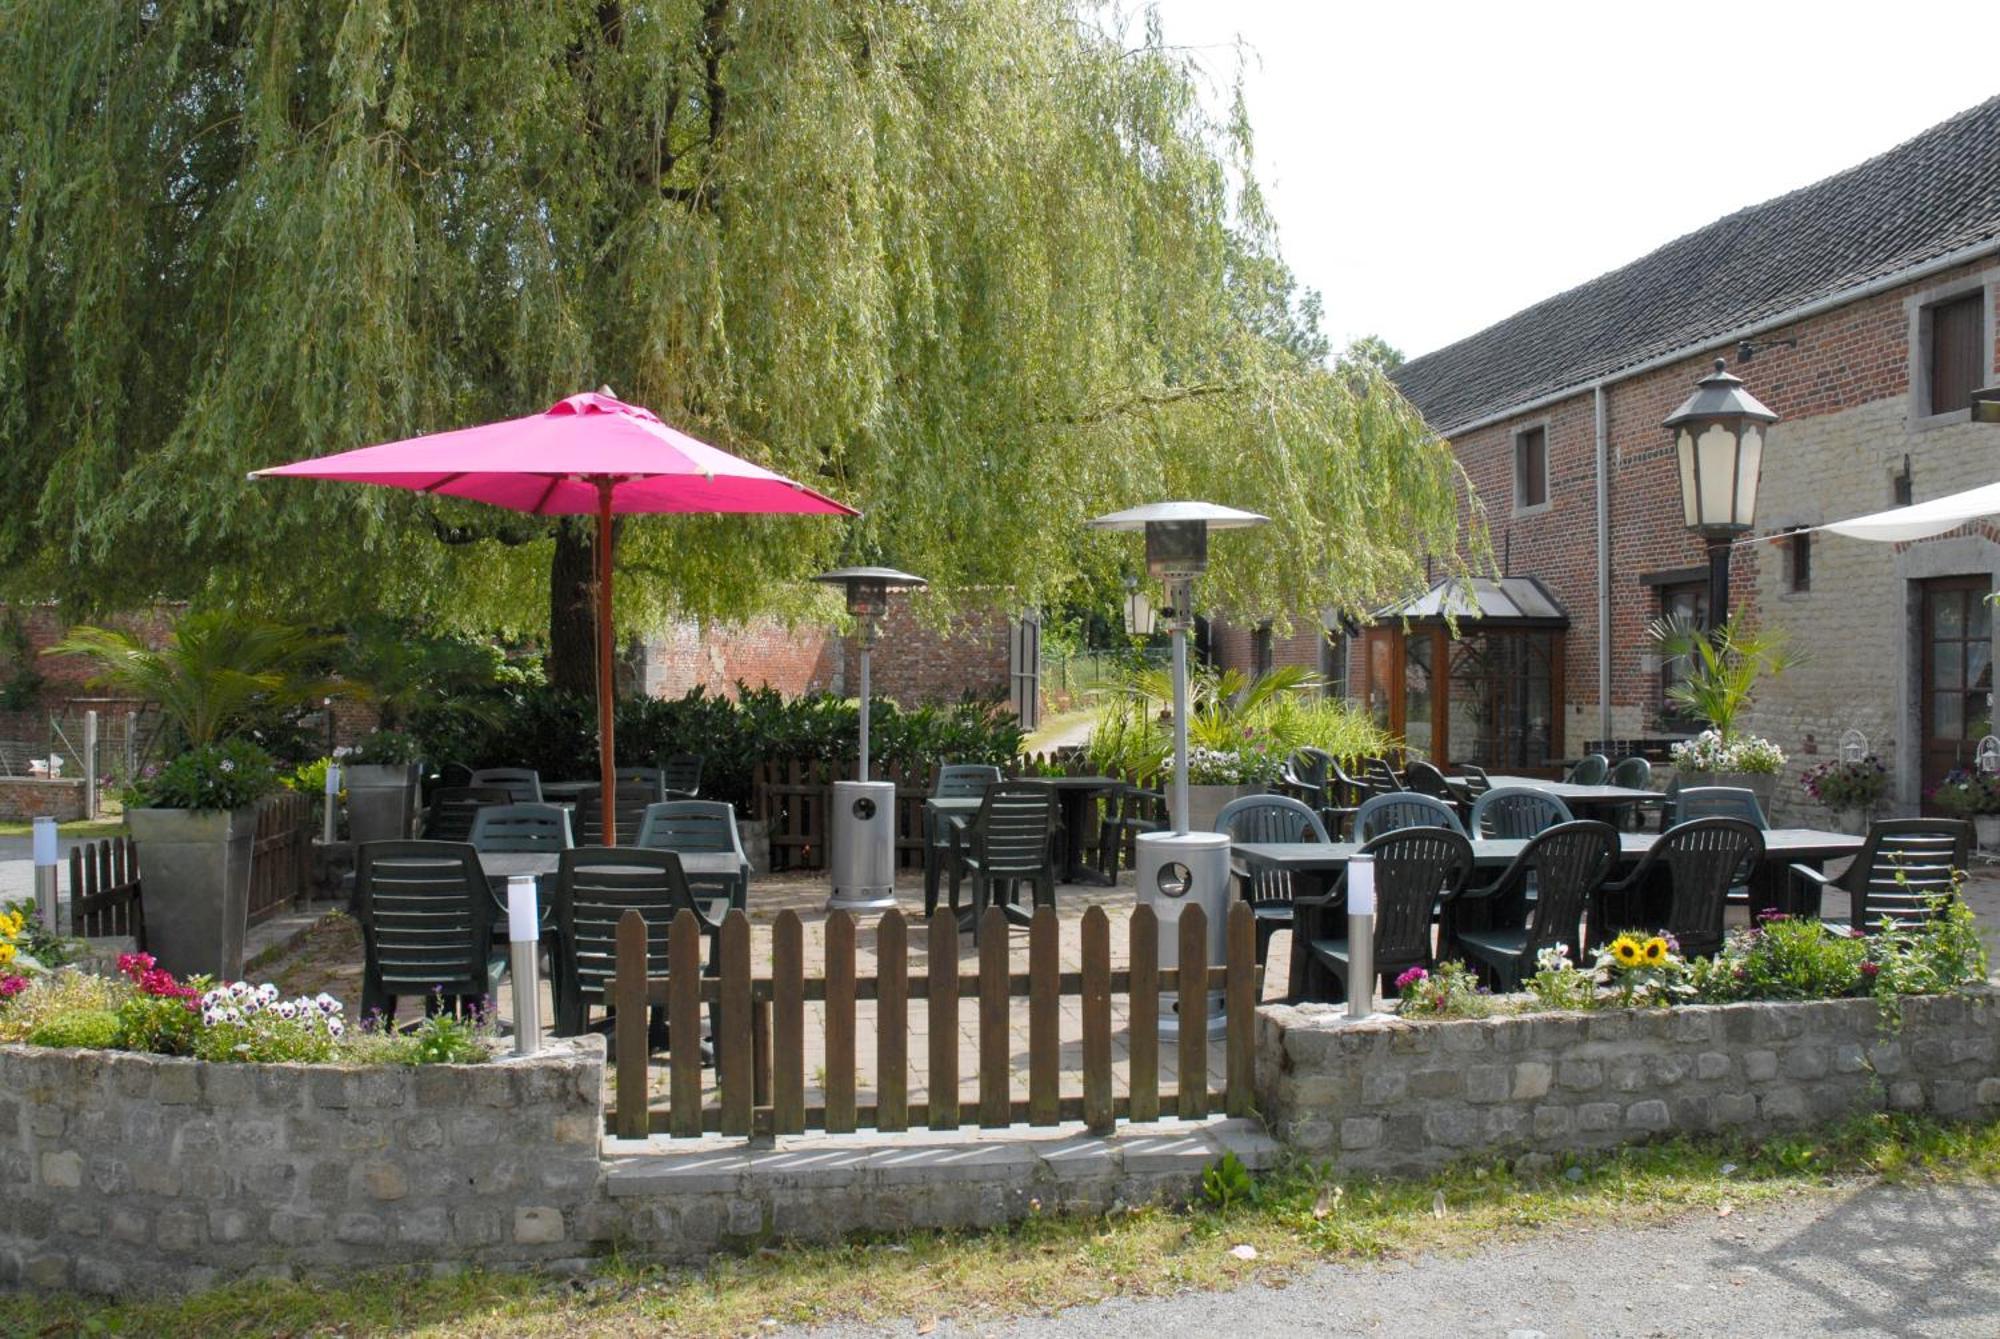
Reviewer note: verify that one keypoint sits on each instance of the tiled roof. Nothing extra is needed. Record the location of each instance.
(1934, 195)
(1509, 600)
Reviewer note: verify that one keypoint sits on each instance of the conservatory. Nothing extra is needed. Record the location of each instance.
(1472, 671)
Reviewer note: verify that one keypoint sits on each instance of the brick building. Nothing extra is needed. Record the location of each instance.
(1862, 310)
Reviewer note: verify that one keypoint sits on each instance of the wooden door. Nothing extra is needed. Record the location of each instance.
(1956, 697)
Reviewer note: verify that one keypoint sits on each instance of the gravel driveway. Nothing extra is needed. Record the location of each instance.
(1881, 1260)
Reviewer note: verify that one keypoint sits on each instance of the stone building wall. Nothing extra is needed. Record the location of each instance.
(1404, 1096)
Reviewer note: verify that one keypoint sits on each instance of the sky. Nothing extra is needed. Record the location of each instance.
(1434, 168)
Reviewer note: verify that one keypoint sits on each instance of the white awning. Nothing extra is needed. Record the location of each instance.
(1920, 520)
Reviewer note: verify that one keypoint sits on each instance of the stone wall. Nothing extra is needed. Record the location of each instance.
(133, 1173)
(1405, 1096)
(23, 798)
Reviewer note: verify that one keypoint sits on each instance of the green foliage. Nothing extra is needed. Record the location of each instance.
(57, 995)
(212, 777)
(20, 681)
(1560, 984)
(95, 1029)
(159, 1024)
(219, 673)
(442, 1038)
(48, 949)
(1967, 793)
(1723, 665)
(308, 778)
(401, 671)
(1452, 991)
(556, 734)
(1935, 957)
(1228, 1183)
(1783, 958)
(932, 258)
(385, 748)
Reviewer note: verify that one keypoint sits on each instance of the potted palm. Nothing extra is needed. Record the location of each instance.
(1719, 682)
(217, 676)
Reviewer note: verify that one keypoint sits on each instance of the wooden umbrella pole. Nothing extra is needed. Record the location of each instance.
(607, 769)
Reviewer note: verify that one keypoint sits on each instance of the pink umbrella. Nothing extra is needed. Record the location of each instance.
(591, 453)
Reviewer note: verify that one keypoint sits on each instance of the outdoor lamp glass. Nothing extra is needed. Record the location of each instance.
(1140, 615)
(1719, 443)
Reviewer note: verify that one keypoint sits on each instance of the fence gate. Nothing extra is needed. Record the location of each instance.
(760, 1024)
(1024, 668)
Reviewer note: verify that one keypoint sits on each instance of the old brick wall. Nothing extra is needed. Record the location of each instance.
(1405, 1096)
(22, 799)
(134, 1173)
(1845, 426)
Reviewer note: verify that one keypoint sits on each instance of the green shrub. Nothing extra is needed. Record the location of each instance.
(96, 1029)
(222, 776)
(157, 1024)
(386, 748)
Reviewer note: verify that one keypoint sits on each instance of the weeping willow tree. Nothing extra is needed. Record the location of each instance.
(981, 267)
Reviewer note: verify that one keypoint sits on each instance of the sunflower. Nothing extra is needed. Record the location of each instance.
(1626, 949)
(1655, 951)
(6, 954)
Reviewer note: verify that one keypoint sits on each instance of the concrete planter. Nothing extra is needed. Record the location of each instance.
(196, 867)
(381, 802)
(1764, 785)
(1205, 802)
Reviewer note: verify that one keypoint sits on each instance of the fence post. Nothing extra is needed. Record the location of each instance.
(629, 1025)
(90, 763)
(996, 1108)
(1098, 1112)
(684, 1025)
(943, 1078)
(1193, 978)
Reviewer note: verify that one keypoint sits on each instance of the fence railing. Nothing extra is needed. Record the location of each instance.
(760, 1025)
(104, 896)
(280, 854)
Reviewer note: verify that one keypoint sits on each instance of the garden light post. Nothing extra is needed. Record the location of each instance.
(46, 859)
(330, 820)
(863, 838)
(1178, 867)
(1360, 938)
(1719, 440)
(524, 946)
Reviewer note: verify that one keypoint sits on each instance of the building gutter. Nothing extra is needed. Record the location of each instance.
(1603, 420)
(1869, 289)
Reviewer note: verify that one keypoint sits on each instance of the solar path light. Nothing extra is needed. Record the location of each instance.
(1178, 867)
(863, 835)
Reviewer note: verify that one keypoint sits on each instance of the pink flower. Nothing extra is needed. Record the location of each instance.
(1411, 977)
(10, 986)
(1869, 969)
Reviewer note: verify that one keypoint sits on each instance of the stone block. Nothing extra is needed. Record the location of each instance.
(78, 1219)
(1692, 1112)
(109, 1175)
(1580, 1075)
(228, 1085)
(1379, 1088)
(180, 1231)
(1596, 1117)
(1849, 1058)
(360, 1229)
(1552, 1122)
(1951, 1097)
(1627, 1074)
(1612, 1026)
(1710, 1066)
(46, 1120)
(1783, 1105)
(177, 1083)
(478, 1225)
(1906, 1095)
(1988, 1092)
(289, 1227)
(156, 1176)
(99, 1277)
(1433, 1084)
(537, 1225)
(49, 1272)
(1886, 1059)
(1453, 1127)
(1651, 1115)
(229, 1226)
(62, 1169)
(1734, 1108)
(1760, 1066)
(578, 1128)
(1671, 1068)
(1532, 1079)
(1359, 1132)
(1486, 1083)
(1462, 1038)
(1804, 1062)
(428, 1226)
(331, 1089)
(382, 1180)
(130, 1225)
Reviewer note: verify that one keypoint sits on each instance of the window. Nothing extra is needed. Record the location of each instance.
(1333, 665)
(1955, 355)
(1687, 601)
(1531, 468)
(1260, 652)
(1798, 561)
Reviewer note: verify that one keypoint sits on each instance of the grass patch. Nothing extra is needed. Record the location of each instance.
(1295, 1217)
(81, 830)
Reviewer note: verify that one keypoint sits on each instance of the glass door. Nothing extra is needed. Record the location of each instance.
(1957, 693)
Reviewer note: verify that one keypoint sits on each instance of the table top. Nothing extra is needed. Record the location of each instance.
(1785, 844)
(1571, 792)
(503, 864)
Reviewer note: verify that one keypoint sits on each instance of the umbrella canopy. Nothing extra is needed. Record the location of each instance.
(591, 454)
(1922, 520)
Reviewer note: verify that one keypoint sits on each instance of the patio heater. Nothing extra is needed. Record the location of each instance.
(1177, 867)
(863, 828)
(1719, 439)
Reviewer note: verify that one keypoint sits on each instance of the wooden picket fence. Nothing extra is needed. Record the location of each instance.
(761, 1025)
(104, 891)
(280, 854)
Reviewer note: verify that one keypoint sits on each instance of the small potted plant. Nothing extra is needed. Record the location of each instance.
(1851, 789)
(1973, 795)
(194, 820)
(1747, 761)
(380, 776)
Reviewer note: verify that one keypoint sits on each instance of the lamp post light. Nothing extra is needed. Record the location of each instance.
(1181, 867)
(863, 838)
(1140, 615)
(1719, 438)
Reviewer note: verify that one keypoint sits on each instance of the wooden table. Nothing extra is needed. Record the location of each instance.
(1316, 866)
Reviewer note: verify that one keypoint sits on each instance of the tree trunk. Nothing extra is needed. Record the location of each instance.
(572, 659)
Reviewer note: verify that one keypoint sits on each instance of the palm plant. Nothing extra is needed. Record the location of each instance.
(218, 672)
(1227, 712)
(1723, 665)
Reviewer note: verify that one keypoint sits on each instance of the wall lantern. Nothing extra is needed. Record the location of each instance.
(1719, 439)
